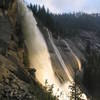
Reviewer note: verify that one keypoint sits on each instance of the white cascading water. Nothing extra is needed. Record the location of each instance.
(60, 58)
(77, 59)
(38, 51)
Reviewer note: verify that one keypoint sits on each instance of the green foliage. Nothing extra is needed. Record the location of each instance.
(40, 92)
(67, 24)
(50, 88)
(76, 93)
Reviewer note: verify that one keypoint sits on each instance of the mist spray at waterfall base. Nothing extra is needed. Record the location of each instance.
(38, 52)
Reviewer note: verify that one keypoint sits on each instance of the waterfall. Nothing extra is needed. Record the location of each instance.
(60, 58)
(77, 59)
(38, 52)
(39, 56)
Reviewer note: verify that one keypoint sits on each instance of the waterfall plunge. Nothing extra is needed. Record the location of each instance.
(38, 52)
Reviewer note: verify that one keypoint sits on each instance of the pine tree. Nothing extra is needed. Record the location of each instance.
(76, 93)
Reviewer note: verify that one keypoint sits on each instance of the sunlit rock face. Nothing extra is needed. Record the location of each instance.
(57, 66)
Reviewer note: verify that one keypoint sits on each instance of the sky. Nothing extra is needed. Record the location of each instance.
(66, 6)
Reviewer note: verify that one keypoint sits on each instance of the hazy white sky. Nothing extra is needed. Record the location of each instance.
(59, 6)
